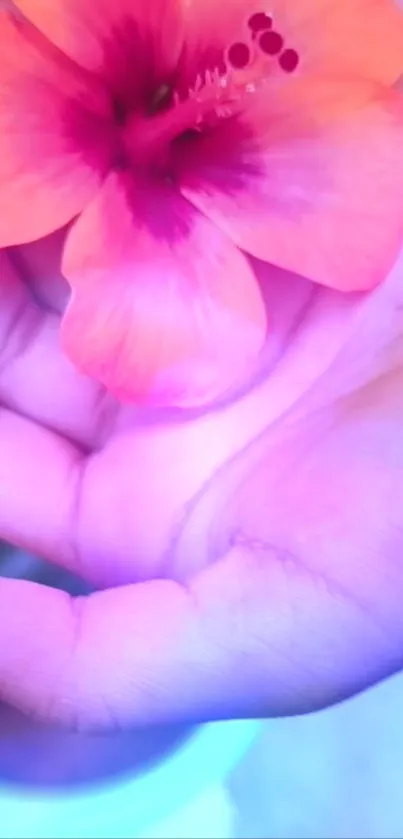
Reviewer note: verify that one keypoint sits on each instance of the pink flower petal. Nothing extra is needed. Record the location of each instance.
(132, 44)
(54, 143)
(312, 183)
(165, 309)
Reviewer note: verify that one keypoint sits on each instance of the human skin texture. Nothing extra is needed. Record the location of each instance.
(247, 559)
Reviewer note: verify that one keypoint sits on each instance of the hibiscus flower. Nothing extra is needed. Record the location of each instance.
(181, 140)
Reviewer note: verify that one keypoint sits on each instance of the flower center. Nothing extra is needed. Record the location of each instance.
(215, 95)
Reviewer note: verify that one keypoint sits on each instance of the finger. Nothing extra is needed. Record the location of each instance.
(36, 378)
(52, 503)
(39, 478)
(39, 265)
(252, 636)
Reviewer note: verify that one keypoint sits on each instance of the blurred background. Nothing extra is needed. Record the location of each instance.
(337, 774)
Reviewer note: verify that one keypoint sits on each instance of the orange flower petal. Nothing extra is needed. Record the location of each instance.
(165, 309)
(364, 37)
(52, 151)
(317, 189)
(129, 43)
(359, 36)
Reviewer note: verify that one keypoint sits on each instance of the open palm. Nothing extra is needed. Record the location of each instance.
(247, 561)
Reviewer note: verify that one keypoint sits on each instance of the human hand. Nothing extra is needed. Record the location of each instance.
(248, 560)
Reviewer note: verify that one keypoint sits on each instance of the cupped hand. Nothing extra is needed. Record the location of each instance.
(247, 560)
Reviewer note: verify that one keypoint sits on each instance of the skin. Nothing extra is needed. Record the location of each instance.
(247, 561)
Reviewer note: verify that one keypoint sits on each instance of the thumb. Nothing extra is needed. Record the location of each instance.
(250, 636)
